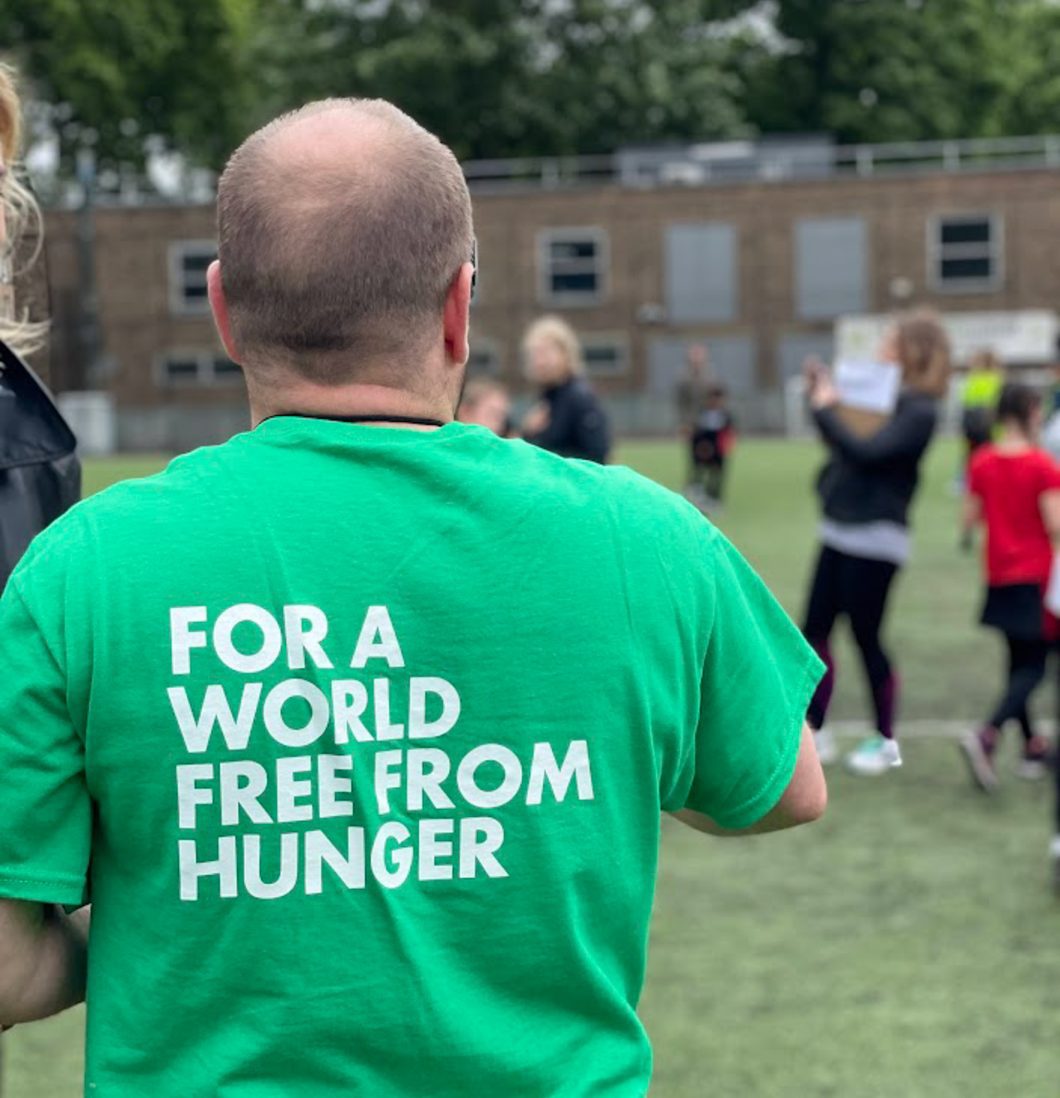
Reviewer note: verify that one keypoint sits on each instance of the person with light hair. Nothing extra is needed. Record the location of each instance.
(40, 476)
(568, 419)
(18, 213)
(866, 488)
(347, 724)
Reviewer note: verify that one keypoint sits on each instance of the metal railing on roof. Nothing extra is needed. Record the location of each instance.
(701, 165)
(770, 160)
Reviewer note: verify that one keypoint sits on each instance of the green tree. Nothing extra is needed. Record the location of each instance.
(118, 74)
(894, 70)
(1032, 64)
(521, 77)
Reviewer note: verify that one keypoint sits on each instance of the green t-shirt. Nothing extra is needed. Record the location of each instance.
(358, 739)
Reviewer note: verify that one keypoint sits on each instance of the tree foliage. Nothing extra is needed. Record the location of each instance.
(116, 74)
(540, 77)
(890, 70)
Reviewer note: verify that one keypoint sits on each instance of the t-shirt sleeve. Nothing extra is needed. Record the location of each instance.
(758, 677)
(46, 816)
(1050, 474)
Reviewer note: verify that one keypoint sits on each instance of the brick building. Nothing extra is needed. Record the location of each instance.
(759, 268)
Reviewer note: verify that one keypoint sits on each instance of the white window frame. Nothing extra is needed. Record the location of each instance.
(492, 349)
(616, 340)
(206, 376)
(937, 252)
(179, 250)
(602, 265)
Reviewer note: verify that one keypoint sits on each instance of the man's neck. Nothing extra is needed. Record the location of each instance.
(351, 402)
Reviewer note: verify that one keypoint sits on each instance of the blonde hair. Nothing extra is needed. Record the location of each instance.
(554, 329)
(923, 351)
(21, 212)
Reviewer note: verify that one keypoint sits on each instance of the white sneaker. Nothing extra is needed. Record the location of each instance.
(1031, 770)
(696, 496)
(827, 749)
(874, 756)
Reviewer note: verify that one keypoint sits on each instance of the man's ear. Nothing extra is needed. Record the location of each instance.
(219, 307)
(457, 316)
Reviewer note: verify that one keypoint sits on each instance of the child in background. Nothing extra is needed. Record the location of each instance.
(713, 435)
(486, 403)
(1014, 490)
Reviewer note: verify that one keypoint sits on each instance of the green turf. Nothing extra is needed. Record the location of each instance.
(905, 946)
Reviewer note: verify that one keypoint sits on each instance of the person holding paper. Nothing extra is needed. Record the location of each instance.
(1014, 491)
(866, 488)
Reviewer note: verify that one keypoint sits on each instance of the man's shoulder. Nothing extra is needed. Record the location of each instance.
(616, 489)
(101, 523)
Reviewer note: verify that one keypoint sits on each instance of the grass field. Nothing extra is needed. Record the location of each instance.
(905, 947)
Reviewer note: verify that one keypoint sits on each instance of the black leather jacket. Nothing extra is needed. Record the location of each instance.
(40, 475)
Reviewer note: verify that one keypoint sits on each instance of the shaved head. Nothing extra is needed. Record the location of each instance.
(341, 227)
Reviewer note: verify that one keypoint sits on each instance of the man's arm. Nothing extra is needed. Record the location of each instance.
(804, 800)
(43, 960)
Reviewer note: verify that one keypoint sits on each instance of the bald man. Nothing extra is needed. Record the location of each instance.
(356, 730)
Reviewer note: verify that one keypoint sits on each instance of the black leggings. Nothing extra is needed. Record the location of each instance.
(1026, 669)
(857, 588)
(709, 474)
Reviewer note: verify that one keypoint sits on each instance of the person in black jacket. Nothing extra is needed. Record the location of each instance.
(865, 489)
(569, 419)
(40, 475)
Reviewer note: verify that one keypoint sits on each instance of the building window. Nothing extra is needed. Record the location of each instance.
(484, 359)
(198, 368)
(831, 267)
(188, 260)
(572, 266)
(964, 252)
(605, 356)
(701, 274)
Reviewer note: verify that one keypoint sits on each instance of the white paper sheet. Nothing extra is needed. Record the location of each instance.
(867, 385)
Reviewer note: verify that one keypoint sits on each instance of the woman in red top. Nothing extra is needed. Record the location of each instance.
(1014, 490)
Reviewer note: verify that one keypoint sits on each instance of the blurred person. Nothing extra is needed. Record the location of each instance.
(865, 489)
(487, 404)
(979, 397)
(691, 397)
(569, 419)
(285, 816)
(713, 437)
(40, 476)
(1014, 491)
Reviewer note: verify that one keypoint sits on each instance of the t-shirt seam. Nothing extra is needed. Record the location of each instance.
(690, 747)
(55, 879)
(811, 666)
